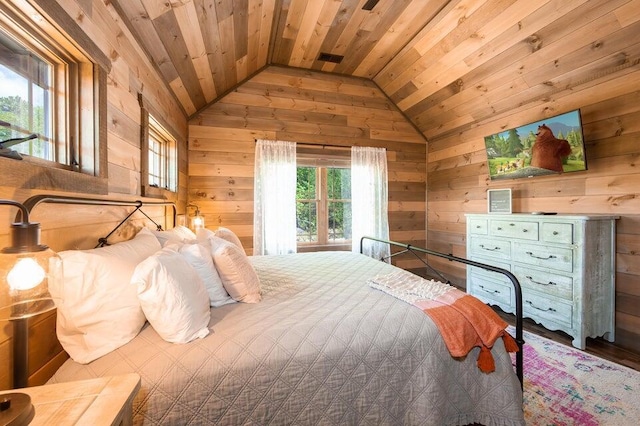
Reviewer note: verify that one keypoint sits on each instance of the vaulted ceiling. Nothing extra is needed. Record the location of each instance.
(445, 63)
(203, 48)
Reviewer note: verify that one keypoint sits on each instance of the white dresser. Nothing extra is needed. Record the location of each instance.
(565, 265)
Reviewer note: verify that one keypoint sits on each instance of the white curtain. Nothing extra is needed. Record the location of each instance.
(274, 223)
(369, 200)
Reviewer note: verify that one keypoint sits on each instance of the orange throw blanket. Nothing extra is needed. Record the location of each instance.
(465, 322)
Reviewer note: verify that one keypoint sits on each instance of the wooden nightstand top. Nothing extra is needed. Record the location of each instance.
(102, 401)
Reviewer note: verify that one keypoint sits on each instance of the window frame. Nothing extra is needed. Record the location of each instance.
(79, 135)
(322, 164)
(162, 128)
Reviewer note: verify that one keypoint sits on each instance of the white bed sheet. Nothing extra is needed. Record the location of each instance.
(321, 348)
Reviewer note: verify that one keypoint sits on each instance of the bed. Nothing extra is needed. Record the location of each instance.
(321, 348)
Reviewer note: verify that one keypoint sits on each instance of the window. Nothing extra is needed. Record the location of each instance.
(159, 155)
(50, 97)
(162, 165)
(323, 205)
(46, 94)
(25, 100)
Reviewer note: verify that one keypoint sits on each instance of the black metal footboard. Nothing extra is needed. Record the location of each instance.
(516, 286)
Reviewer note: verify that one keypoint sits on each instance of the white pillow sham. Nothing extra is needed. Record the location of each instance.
(178, 234)
(98, 310)
(199, 257)
(238, 276)
(172, 296)
(229, 235)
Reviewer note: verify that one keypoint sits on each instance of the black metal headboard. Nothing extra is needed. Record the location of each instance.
(34, 201)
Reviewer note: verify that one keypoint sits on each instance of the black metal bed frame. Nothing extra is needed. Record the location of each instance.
(516, 285)
(35, 200)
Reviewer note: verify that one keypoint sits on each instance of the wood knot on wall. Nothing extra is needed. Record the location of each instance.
(535, 42)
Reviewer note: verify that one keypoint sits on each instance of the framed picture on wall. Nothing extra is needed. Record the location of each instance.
(499, 201)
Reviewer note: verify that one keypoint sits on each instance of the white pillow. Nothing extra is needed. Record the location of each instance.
(238, 276)
(199, 257)
(98, 310)
(178, 234)
(172, 296)
(204, 235)
(227, 234)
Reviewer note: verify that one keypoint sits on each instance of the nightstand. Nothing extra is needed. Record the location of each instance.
(102, 401)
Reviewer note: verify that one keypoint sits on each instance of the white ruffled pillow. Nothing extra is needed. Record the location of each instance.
(238, 276)
(98, 309)
(199, 257)
(172, 296)
(178, 234)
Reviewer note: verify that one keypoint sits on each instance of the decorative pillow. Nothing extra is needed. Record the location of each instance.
(98, 310)
(199, 257)
(238, 276)
(178, 234)
(227, 234)
(172, 296)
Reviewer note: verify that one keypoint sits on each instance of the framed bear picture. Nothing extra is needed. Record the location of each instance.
(550, 146)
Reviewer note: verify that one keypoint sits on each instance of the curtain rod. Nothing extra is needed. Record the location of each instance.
(319, 146)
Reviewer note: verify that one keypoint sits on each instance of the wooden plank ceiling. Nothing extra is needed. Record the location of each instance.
(204, 48)
(445, 63)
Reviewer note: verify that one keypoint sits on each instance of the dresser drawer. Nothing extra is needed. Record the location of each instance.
(535, 305)
(490, 291)
(558, 258)
(496, 276)
(549, 283)
(514, 229)
(494, 248)
(478, 226)
(561, 233)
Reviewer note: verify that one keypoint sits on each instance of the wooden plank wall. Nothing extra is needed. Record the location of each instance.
(306, 107)
(535, 60)
(79, 227)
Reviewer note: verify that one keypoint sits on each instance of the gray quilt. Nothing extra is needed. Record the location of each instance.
(322, 348)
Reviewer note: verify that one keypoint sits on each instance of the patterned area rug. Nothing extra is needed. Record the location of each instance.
(566, 386)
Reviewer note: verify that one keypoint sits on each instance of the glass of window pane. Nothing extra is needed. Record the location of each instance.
(25, 99)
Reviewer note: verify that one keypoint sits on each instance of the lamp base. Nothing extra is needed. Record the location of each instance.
(16, 409)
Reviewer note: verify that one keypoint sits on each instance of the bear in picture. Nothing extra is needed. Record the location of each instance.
(547, 152)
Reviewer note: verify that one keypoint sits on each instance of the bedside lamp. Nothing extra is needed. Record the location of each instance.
(26, 268)
(196, 221)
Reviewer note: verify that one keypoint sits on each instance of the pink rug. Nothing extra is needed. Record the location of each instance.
(566, 386)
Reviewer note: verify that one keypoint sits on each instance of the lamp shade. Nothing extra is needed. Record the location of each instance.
(196, 222)
(26, 270)
(24, 283)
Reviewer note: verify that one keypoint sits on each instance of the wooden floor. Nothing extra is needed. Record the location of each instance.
(598, 347)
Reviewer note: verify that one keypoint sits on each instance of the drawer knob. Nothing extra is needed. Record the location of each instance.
(555, 232)
(499, 228)
(512, 224)
(530, 303)
(525, 230)
(478, 226)
(540, 257)
(539, 282)
(489, 248)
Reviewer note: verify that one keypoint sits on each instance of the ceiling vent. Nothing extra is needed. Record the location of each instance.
(370, 4)
(328, 57)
